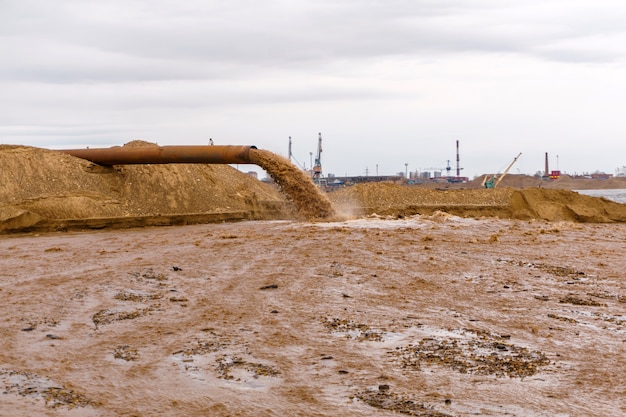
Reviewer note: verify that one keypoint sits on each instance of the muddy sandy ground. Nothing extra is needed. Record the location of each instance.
(429, 316)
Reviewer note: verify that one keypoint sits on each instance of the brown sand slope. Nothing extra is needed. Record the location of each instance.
(43, 189)
(564, 183)
(532, 203)
(48, 190)
(527, 181)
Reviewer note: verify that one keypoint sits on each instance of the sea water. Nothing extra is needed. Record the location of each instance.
(618, 195)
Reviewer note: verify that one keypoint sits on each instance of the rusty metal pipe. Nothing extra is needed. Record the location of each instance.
(118, 155)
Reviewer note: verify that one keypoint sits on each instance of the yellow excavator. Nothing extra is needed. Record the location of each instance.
(492, 181)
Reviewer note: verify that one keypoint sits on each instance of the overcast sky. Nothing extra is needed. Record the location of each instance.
(386, 82)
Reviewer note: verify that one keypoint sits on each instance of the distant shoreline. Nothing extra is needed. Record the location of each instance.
(526, 181)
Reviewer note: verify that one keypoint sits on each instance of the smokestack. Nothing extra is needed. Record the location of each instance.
(547, 169)
(290, 154)
(458, 166)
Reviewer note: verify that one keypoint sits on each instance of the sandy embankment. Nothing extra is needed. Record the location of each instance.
(48, 190)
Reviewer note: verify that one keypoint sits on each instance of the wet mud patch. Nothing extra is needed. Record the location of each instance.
(126, 353)
(608, 321)
(26, 384)
(108, 316)
(575, 300)
(201, 346)
(136, 296)
(618, 320)
(558, 271)
(353, 330)
(148, 299)
(562, 318)
(384, 399)
(235, 368)
(608, 296)
(470, 352)
(214, 356)
(148, 274)
(31, 323)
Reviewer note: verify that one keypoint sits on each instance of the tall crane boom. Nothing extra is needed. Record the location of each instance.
(317, 167)
(494, 180)
(506, 171)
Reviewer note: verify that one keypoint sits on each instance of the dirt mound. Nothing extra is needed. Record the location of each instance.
(511, 180)
(564, 183)
(49, 190)
(556, 205)
(533, 203)
(570, 183)
(42, 189)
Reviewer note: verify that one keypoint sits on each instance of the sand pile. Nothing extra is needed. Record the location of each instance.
(49, 190)
(527, 181)
(564, 183)
(533, 203)
(43, 189)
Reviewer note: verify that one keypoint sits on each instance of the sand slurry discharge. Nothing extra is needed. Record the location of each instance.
(308, 201)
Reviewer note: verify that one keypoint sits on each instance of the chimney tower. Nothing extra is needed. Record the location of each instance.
(458, 166)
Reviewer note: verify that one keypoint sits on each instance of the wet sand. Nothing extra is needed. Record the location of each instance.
(427, 315)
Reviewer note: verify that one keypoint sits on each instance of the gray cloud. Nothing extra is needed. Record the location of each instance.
(119, 41)
(402, 70)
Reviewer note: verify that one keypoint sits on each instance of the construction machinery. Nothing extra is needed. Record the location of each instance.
(492, 181)
(317, 167)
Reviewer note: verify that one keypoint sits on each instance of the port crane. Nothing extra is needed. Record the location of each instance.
(317, 167)
(448, 168)
(493, 180)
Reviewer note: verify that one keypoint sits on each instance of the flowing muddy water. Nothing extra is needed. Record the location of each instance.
(310, 203)
(425, 316)
(618, 195)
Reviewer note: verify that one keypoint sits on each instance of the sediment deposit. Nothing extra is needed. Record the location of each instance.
(47, 190)
(506, 203)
